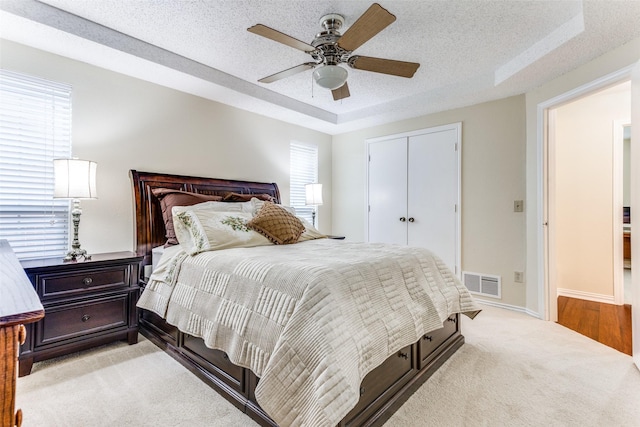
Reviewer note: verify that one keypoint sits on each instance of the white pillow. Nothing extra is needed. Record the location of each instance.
(310, 232)
(201, 230)
(257, 204)
(246, 207)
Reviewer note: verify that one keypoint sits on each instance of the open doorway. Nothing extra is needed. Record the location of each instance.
(623, 135)
(585, 207)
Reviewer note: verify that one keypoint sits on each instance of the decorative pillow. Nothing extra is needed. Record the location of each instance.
(169, 198)
(309, 233)
(201, 230)
(276, 224)
(238, 197)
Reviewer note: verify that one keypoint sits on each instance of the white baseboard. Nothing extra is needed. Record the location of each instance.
(510, 307)
(589, 296)
(533, 314)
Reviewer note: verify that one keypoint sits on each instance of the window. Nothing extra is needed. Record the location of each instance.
(35, 128)
(303, 170)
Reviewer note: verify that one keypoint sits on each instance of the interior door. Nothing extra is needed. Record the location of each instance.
(388, 191)
(433, 193)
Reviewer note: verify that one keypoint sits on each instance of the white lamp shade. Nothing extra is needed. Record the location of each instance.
(313, 193)
(75, 179)
(330, 76)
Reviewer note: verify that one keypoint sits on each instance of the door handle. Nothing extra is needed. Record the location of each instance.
(411, 219)
(403, 219)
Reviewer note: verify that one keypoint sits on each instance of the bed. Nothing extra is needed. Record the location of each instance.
(383, 384)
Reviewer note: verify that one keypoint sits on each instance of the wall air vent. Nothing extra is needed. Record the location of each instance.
(482, 284)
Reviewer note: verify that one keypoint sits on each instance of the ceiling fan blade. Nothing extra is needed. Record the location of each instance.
(385, 66)
(341, 92)
(274, 35)
(374, 20)
(288, 72)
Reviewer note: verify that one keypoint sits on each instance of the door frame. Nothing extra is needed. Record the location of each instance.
(618, 202)
(458, 208)
(545, 303)
(545, 118)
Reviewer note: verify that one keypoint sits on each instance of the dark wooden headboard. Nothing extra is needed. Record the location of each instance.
(150, 230)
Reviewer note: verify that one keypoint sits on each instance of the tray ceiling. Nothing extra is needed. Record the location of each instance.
(469, 51)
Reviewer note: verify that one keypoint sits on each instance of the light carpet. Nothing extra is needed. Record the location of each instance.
(514, 370)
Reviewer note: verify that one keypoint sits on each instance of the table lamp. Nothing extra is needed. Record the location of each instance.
(75, 179)
(313, 193)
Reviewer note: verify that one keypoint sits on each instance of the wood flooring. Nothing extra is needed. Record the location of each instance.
(608, 324)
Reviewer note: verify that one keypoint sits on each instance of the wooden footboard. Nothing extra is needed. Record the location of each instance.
(382, 391)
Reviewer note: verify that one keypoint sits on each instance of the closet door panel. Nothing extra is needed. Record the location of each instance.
(387, 191)
(433, 193)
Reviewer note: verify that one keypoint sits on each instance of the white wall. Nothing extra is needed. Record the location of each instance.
(124, 123)
(492, 178)
(584, 176)
(610, 62)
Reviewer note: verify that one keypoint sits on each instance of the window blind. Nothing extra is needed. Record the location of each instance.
(35, 128)
(303, 170)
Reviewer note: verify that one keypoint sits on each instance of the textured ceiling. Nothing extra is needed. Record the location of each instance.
(469, 51)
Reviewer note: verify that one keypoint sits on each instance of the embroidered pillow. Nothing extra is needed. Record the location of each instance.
(276, 224)
(169, 198)
(201, 230)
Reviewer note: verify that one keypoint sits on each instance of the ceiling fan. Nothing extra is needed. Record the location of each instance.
(330, 48)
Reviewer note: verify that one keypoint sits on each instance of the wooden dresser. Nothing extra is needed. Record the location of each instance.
(19, 305)
(626, 238)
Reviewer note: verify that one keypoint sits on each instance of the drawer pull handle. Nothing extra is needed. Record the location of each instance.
(87, 281)
(361, 391)
(225, 356)
(85, 318)
(22, 334)
(427, 338)
(403, 355)
(452, 319)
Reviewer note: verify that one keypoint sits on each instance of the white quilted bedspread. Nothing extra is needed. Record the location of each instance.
(310, 319)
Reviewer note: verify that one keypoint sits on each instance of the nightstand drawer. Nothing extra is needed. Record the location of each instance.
(78, 319)
(70, 284)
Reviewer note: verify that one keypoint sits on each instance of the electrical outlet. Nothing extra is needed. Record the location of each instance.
(518, 205)
(518, 276)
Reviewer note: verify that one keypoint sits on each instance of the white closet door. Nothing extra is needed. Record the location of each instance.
(433, 193)
(388, 191)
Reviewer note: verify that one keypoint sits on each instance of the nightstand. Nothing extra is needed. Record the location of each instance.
(87, 303)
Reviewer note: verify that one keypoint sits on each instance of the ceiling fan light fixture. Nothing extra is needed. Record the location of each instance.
(330, 76)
